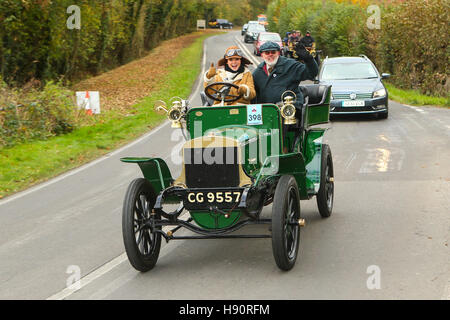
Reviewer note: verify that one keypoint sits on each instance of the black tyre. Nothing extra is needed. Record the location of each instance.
(142, 243)
(325, 196)
(285, 210)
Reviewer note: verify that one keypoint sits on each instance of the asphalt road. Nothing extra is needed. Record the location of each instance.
(390, 219)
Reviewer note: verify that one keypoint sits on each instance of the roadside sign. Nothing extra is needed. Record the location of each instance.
(201, 24)
(89, 100)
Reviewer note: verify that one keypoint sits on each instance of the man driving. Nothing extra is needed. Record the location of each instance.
(277, 73)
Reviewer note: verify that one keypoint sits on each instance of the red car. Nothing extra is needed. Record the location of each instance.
(264, 37)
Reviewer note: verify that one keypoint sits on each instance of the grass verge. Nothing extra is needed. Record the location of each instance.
(30, 163)
(415, 98)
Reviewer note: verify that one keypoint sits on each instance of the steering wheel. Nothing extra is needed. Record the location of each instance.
(223, 93)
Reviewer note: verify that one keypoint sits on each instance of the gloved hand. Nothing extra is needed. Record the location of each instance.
(211, 72)
(302, 53)
(242, 91)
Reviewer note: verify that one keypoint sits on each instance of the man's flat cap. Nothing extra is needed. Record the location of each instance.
(269, 46)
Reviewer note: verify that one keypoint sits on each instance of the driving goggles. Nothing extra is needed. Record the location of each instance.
(234, 52)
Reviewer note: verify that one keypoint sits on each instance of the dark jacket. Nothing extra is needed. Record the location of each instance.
(286, 75)
(307, 41)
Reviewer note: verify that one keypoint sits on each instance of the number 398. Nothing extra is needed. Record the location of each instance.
(254, 117)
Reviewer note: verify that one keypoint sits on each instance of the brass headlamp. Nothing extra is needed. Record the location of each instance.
(288, 109)
(174, 114)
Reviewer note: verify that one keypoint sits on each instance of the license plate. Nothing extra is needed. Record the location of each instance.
(219, 198)
(353, 103)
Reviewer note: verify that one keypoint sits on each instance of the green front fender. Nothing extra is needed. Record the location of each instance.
(155, 170)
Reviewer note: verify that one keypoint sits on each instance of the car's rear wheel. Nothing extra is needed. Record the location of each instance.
(285, 227)
(142, 241)
(325, 196)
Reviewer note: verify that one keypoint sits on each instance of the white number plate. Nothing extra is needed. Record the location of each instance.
(353, 103)
(254, 114)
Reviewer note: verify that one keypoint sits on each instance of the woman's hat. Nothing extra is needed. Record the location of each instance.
(233, 52)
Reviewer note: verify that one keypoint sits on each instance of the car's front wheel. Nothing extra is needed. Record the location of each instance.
(141, 239)
(285, 227)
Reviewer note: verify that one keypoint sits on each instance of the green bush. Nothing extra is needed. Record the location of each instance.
(412, 43)
(35, 114)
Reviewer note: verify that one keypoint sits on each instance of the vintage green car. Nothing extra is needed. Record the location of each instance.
(236, 160)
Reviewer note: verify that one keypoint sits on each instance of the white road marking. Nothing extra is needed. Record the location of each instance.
(420, 110)
(200, 80)
(89, 278)
(349, 162)
(83, 167)
(114, 285)
(101, 271)
(250, 55)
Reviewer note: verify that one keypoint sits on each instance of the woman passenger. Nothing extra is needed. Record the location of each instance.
(234, 71)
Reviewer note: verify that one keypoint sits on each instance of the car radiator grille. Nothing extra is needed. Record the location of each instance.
(211, 167)
(351, 109)
(346, 96)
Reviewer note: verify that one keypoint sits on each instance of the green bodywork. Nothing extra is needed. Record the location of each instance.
(155, 170)
(267, 151)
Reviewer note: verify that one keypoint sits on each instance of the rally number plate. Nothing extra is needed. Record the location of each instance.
(204, 199)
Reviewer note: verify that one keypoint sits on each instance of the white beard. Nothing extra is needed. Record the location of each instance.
(271, 64)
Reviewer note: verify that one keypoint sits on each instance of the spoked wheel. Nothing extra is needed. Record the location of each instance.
(325, 196)
(141, 242)
(285, 227)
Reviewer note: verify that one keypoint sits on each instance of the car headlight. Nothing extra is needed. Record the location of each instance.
(379, 93)
(288, 113)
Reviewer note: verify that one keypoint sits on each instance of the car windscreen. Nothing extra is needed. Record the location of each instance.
(256, 27)
(270, 37)
(348, 71)
(222, 21)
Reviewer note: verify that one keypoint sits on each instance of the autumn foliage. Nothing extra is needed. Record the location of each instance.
(35, 41)
(411, 43)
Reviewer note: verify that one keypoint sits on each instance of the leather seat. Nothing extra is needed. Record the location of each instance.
(316, 93)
